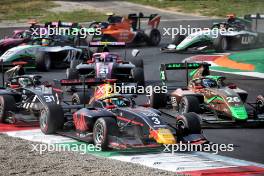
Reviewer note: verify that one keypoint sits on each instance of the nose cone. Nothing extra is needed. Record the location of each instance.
(239, 113)
(163, 136)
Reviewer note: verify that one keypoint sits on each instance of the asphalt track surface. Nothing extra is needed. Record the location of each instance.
(248, 142)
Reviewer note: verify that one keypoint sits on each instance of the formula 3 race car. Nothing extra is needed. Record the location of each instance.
(24, 99)
(115, 121)
(233, 34)
(42, 54)
(129, 29)
(36, 31)
(209, 96)
(109, 65)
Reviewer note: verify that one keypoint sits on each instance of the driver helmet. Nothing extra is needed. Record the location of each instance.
(209, 83)
(118, 101)
(101, 58)
(24, 82)
(44, 42)
(222, 26)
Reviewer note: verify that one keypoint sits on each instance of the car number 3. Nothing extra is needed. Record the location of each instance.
(155, 120)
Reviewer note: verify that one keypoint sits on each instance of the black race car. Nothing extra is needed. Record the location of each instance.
(108, 65)
(24, 99)
(115, 121)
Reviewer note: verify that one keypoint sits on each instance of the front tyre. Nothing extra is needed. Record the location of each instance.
(51, 119)
(220, 44)
(153, 37)
(189, 104)
(7, 103)
(104, 127)
(43, 61)
(188, 123)
(138, 76)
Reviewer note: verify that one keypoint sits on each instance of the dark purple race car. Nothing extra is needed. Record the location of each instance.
(109, 65)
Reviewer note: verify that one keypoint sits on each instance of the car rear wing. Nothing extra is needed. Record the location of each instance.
(104, 44)
(254, 16)
(255, 19)
(153, 19)
(179, 66)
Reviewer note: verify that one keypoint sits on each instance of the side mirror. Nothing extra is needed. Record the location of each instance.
(135, 52)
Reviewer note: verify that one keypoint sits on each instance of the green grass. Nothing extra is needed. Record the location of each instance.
(76, 16)
(254, 57)
(218, 8)
(38, 9)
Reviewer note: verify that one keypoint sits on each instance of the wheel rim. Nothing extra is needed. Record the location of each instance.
(43, 119)
(99, 133)
(181, 125)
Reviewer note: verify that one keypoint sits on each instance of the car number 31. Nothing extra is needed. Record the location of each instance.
(49, 98)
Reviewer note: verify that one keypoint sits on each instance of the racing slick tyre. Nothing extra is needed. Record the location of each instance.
(138, 76)
(189, 104)
(138, 63)
(72, 73)
(260, 104)
(178, 39)
(51, 119)
(158, 100)
(104, 127)
(188, 123)
(81, 98)
(7, 103)
(43, 61)
(153, 37)
(220, 44)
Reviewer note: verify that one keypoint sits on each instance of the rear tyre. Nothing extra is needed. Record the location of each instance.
(7, 103)
(138, 76)
(104, 127)
(188, 123)
(153, 37)
(220, 44)
(72, 73)
(158, 100)
(51, 119)
(43, 61)
(189, 104)
(138, 63)
(81, 98)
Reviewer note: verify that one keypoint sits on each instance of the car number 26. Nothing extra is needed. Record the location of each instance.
(233, 99)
